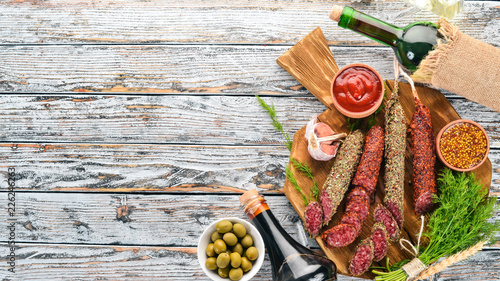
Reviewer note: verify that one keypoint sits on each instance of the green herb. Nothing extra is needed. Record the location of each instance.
(293, 181)
(353, 124)
(306, 170)
(462, 219)
(371, 118)
(277, 125)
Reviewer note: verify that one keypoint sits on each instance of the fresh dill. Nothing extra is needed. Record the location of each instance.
(463, 218)
(276, 124)
(306, 171)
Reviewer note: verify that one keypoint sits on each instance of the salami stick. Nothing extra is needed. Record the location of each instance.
(358, 200)
(395, 146)
(424, 157)
(343, 169)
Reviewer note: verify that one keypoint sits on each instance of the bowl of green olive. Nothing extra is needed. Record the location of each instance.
(231, 249)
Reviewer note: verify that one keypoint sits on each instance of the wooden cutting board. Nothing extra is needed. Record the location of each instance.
(311, 62)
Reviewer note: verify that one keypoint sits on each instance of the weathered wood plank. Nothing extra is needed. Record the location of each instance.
(205, 120)
(156, 69)
(204, 21)
(133, 219)
(153, 168)
(68, 262)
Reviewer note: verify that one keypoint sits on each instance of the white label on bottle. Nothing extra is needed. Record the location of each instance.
(410, 55)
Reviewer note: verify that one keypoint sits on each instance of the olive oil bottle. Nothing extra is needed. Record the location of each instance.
(410, 43)
(290, 260)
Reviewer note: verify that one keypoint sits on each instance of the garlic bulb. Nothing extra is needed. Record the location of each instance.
(322, 140)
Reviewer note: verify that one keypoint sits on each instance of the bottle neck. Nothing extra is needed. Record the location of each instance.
(369, 26)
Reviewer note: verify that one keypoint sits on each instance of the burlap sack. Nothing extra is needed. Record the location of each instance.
(463, 65)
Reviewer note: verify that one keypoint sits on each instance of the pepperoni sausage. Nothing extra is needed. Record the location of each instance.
(340, 235)
(369, 165)
(385, 217)
(424, 158)
(380, 241)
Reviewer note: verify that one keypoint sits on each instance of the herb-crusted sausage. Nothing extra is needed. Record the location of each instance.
(395, 146)
(313, 218)
(343, 169)
(362, 258)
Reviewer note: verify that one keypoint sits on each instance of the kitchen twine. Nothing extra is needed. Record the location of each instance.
(415, 266)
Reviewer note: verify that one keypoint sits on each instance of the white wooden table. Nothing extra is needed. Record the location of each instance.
(131, 125)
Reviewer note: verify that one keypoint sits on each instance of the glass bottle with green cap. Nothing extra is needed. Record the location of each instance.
(410, 43)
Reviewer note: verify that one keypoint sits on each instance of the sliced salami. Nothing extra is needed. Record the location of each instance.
(380, 241)
(313, 218)
(362, 258)
(340, 235)
(353, 219)
(383, 215)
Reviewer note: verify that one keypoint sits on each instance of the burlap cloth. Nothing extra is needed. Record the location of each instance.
(463, 65)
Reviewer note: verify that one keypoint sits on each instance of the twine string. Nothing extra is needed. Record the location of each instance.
(413, 250)
(413, 268)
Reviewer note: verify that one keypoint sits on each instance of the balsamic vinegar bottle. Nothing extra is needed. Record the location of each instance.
(410, 43)
(290, 260)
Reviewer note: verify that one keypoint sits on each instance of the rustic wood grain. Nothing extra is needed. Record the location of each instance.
(81, 262)
(204, 21)
(153, 168)
(172, 119)
(173, 220)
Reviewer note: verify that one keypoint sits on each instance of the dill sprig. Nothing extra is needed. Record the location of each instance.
(462, 219)
(306, 171)
(291, 178)
(276, 124)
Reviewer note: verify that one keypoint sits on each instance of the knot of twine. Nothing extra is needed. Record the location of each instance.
(415, 266)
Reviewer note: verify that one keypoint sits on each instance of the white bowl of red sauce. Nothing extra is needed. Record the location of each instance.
(462, 145)
(357, 90)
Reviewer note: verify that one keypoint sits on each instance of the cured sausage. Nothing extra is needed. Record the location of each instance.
(358, 206)
(340, 235)
(380, 241)
(313, 218)
(424, 158)
(395, 146)
(362, 258)
(343, 169)
(371, 160)
(385, 217)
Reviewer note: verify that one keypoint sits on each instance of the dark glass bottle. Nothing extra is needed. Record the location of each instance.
(410, 43)
(289, 260)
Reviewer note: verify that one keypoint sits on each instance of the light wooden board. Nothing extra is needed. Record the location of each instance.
(209, 22)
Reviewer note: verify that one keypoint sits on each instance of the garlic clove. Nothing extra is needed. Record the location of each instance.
(323, 143)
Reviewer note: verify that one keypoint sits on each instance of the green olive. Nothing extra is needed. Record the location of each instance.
(223, 260)
(239, 230)
(210, 250)
(252, 253)
(216, 235)
(238, 249)
(224, 272)
(211, 263)
(235, 273)
(246, 241)
(230, 239)
(235, 260)
(246, 265)
(219, 246)
(224, 226)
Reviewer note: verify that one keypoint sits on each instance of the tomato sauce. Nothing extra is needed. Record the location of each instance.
(357, 89)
